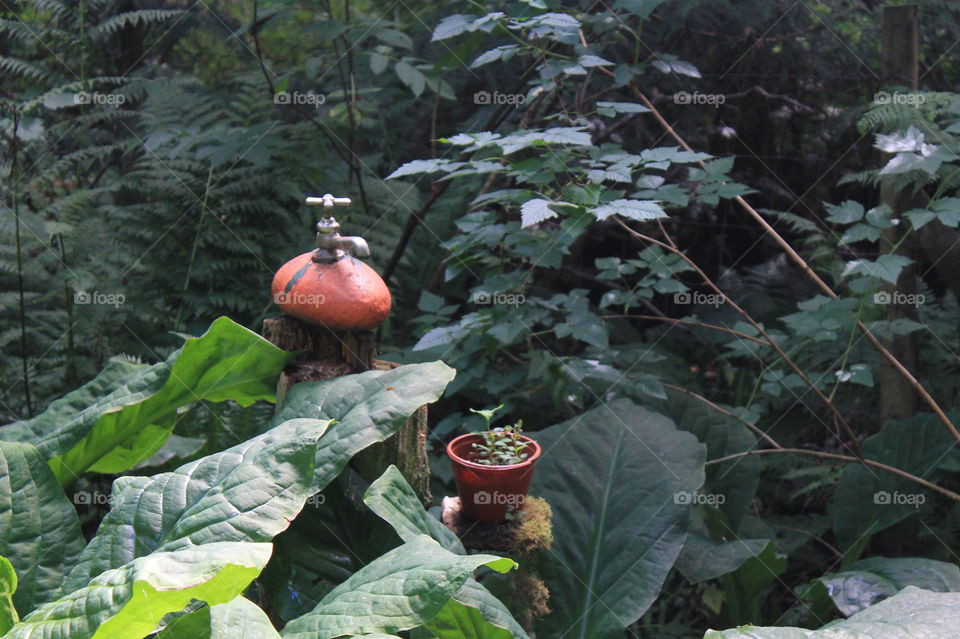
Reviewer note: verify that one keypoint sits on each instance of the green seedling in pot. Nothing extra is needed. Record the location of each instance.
(501, 446)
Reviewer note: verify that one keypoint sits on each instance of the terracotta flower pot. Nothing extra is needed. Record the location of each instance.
(488, 493)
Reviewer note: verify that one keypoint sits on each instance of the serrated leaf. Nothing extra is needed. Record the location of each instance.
(633, 209)
(535, 211)
(909, 140)
(886, 267)
(378, 63)
(859, 232)
(590, 60)
(411, 77)
(611, 108)
(439, 336)
(451, 26)
(416, 167)
(846, 212)
(667, 63)
(503, 52)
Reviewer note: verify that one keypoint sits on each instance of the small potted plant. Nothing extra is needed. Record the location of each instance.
(493, 469)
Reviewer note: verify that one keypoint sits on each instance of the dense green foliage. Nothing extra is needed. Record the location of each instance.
(544, 233)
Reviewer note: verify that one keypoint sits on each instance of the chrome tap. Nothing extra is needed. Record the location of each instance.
(331, 246)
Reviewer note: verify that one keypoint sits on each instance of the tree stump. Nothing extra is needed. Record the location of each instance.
(325, 354)
(523, 539)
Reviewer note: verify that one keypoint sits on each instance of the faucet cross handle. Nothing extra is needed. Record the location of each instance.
(328, 201)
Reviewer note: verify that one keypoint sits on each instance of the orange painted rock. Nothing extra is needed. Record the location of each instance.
(343, 295)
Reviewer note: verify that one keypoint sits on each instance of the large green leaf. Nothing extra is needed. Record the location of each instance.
(247, 493)
(368, 407)
(704, 558)
(457, 621)
(911, 614)
(237, 619)
(737, 480)
(403, 589)
(127, 413)
(129, 602)
(39, 530)
(8, 586)
(867, 500)
(868, 581)
(616, 478)
(393, 499)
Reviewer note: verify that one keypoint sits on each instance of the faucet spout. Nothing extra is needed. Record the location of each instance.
(331, 246)
(350, 244)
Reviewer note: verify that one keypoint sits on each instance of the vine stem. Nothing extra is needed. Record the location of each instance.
(196, 245)
(844, 458)
(713, 327)
(854, 440)
(720, 409)
(334, 143)
(19, 248)
(810, 273)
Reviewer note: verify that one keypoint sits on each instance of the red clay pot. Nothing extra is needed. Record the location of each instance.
(486, 491)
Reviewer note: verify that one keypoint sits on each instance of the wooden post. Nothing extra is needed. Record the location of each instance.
(325, 354)
(898, 400)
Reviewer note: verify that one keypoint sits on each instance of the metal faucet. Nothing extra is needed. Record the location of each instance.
(331, 246)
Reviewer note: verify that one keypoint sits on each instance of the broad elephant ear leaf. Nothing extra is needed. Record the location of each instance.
(128, 602)
(39, 529)
(128, 412)
(393, 499)
(866, 500)
(911, 614)
(8, 586)
(473, 606)
(249, 492)
(457, 621)
(703, 558)
(403, 589)
(368, 408)
(868, 581)
(615, 477)
(237, 619)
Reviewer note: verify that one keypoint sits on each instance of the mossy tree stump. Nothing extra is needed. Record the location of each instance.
(325, 354)
(522, 539)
